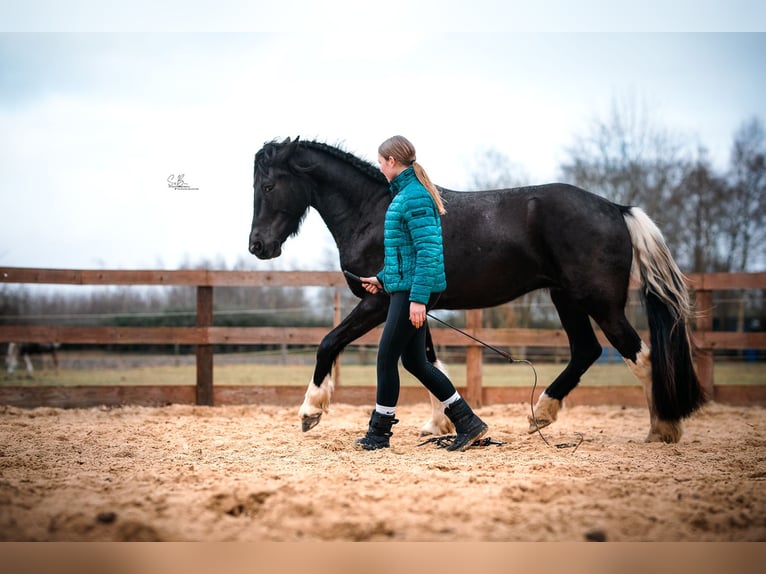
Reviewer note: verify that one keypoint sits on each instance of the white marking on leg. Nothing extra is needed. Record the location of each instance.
(642, 370)
(546, 412)
(12, 358)
(659, 430)
(30, 366)
(438, 424)
(317, 399)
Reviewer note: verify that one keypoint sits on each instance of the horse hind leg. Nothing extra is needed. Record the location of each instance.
(584, 350)
(637, 357)
(659, 430)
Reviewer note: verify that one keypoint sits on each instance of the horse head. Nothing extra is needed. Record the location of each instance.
(282, 195)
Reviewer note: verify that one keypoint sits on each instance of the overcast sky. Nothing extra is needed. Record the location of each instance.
(93, 124)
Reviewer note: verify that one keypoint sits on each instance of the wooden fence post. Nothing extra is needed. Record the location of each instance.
(473, 360)
(704, 322)
(204, 352)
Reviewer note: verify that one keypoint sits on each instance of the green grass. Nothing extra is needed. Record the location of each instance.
(357, 375)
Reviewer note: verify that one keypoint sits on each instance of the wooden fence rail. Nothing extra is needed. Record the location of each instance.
(204, 335)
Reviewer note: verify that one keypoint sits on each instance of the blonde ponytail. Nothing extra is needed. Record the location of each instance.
(428, 184)
(402, 150)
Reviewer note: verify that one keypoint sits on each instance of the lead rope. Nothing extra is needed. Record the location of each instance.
(510, 359)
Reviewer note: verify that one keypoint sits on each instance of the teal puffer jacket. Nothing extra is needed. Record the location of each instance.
(412, 241)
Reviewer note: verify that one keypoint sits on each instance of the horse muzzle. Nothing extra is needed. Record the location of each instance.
(265, 250)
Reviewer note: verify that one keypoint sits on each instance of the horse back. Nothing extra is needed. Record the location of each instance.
(504, 243)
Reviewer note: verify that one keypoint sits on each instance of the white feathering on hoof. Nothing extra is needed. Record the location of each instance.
(317, 399)
(659, 430)
(438, 424)
(664, 431)
(642, 370)
(546, 412)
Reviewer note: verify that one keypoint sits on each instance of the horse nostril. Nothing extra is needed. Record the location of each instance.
(256, 247)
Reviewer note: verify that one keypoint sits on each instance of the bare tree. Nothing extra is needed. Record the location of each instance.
(704, 197)
(631, 160)
(746, 205)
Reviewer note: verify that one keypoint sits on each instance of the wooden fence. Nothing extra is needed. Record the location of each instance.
(204, 335)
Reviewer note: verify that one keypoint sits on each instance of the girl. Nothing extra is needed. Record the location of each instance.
(413, 276)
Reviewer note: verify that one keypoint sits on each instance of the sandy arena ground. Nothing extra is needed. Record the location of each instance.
(247, 473)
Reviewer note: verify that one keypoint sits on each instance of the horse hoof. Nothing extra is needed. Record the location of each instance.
(308, 422)
(654, 437)
(433, 428)
(669, 432)
(661, 437)
(537, 424)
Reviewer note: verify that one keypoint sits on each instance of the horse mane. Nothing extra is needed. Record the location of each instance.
(275, 152)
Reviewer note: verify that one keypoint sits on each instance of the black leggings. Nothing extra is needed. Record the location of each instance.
(400, 339)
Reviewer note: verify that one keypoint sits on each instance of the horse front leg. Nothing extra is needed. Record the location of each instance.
(368, 314)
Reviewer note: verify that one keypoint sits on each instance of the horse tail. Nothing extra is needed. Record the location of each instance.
(676, 390)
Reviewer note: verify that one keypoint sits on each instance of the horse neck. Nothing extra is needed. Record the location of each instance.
(349, 200)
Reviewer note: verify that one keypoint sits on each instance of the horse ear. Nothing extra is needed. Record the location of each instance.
(286, 141)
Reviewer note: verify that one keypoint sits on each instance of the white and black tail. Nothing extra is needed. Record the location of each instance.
(676, 390)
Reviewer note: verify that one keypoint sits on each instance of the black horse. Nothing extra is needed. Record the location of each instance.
(498, 245)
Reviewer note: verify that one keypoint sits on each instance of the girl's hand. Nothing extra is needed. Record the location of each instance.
(371, 284)
(417, 314)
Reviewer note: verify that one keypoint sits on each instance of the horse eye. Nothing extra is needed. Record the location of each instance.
(267, 187)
